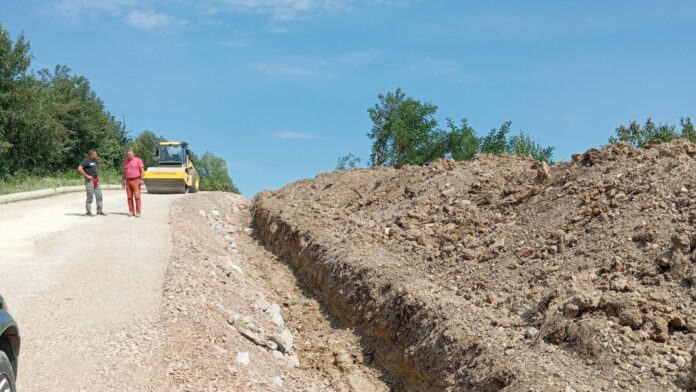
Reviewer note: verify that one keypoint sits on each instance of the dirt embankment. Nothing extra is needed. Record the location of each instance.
(505, 273)
(235, 318)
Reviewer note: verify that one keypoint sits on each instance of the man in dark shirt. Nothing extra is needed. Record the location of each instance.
(88, 170)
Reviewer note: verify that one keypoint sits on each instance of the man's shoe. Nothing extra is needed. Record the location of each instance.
(89, 213)
(101, 213)
(130, 214)
(137, 215)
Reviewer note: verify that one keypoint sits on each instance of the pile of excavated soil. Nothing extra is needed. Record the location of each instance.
(503, 273)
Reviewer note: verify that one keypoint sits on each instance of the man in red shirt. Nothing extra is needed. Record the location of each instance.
(133, 171)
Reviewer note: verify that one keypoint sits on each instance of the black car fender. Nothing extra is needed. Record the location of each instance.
(9, 336)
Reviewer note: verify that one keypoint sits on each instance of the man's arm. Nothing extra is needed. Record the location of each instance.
(142, 171)
(81, 170)
(123, 171)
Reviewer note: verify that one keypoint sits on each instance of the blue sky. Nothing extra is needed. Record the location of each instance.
(280, 88)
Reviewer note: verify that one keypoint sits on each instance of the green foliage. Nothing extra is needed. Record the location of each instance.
(405, 131)
(23, 181)
(145, 146)
(48, 120)
(402, 131)
(687, 131)
(461, 141)
(213, 173)
(347, 162)
(51, 118)
(522, 144)
(496, 141)
(639, 136)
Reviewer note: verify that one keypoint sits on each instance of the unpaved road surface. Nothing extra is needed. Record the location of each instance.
(84, 290)
(183, 299)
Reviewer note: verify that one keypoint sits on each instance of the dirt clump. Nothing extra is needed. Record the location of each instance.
(503, 273)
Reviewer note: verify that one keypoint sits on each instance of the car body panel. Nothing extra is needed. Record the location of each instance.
(9, 331)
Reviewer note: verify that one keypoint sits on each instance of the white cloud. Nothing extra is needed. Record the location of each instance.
(149, 20)
(132, 12)
(294, 135)
(309, 67)
(144, 14)
(75, 9)
(278, 9)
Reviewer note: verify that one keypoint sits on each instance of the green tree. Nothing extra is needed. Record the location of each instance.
(82, 114)
(405, 131)
(522, 144)
(402, 131)
(145, 145)
(347, 162)
(687, 131)
(639, 136)
(15, 60)
(495, 142)
(461, 141)
(214, 174)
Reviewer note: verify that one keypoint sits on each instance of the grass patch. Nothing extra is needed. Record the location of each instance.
(25, 182)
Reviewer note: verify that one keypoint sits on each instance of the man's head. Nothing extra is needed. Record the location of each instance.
(129, 154)
(92, 154)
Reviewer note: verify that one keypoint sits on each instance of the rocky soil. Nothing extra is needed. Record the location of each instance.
(503, 273)
(234, 318)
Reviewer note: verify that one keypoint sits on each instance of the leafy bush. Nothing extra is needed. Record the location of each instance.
(23, 181)
(639, 136)
(214, 174)
(347, 162)
(405, 131)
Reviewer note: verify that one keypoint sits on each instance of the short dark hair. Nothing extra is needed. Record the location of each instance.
(91, 151)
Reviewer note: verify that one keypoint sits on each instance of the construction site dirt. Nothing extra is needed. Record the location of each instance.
(505, 273)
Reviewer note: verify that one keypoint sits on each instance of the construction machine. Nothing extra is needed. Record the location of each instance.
(174, 172)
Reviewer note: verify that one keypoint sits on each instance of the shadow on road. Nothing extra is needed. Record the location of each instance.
(107, 214)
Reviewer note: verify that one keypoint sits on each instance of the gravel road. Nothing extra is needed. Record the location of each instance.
(85, 291)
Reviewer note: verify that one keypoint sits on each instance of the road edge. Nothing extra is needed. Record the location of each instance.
(43, 193)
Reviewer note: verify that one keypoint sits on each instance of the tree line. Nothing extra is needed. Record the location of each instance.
(49, 119)
(405, 132)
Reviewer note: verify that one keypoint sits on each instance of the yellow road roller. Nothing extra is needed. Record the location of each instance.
(174, 172)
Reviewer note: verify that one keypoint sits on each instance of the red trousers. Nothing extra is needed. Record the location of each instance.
(133, 192)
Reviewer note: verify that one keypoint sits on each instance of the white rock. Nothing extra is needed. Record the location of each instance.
(277, 354)
(201, 212)
(277, 381)
(532, 332)
(243, 358)
(261, 303)
(236, 268)
(276, 317)
(250, 322)
(215, 212)
(569, 389)
(293, 360)
(284, 340)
